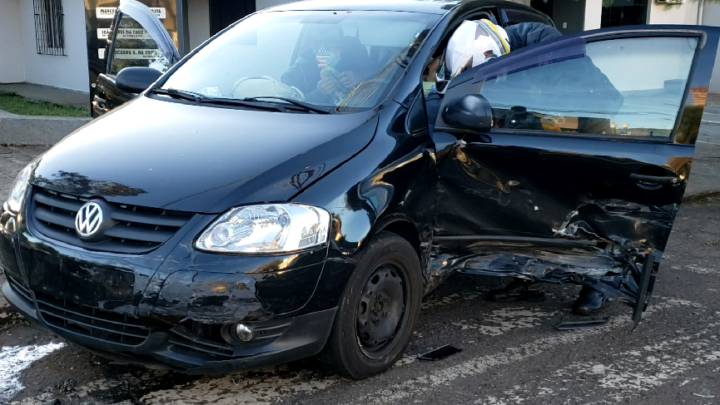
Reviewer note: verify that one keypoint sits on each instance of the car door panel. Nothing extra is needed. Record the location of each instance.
(138, 38)
(556, 201)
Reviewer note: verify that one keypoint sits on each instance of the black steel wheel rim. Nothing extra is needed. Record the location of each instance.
(381, 311)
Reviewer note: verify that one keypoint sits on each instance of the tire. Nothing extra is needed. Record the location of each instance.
(363, 341)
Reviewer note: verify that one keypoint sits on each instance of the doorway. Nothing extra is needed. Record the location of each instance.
(625, 12)
(225, 12)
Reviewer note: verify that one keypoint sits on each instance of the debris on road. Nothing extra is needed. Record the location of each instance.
(706, 394)
(439, 353)
(582, 324)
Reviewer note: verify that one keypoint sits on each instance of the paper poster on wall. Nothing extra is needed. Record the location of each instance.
(124, 33)
(109, 12)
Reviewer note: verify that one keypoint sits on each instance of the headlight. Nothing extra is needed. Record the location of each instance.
(267, 228)
(17, 194)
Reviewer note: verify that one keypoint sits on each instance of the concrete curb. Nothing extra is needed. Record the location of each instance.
(32, 130)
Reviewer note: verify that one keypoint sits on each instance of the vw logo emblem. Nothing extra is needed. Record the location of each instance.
(88, 220)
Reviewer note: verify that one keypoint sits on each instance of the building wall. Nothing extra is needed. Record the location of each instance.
(593, 14)
(12, 60)
(711, 16)
(261, 4)
(569, 15)
(685, 13)
(68, 72)
(198, 22)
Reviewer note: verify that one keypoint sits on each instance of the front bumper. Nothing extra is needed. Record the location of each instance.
(153, 347)
(173, 307)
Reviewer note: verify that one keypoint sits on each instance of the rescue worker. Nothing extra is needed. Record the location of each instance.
(472, 44)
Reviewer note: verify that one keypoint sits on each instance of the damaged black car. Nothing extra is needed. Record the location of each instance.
(281, 192)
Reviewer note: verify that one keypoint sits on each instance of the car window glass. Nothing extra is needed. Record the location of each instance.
(135, 47)
(631, 86)
(345, 60)
(518, 16)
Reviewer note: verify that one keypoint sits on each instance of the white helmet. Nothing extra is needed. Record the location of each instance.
(472, 44)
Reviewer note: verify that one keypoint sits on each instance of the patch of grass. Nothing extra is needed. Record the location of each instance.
(15, 104)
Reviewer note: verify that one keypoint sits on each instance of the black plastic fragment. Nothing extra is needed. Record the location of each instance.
(439, 353)
(582, 324)
(643, 296)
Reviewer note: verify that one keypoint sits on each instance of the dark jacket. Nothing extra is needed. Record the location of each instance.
(526, 34)
(304, 73)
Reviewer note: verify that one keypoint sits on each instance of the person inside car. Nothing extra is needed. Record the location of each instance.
(472, 44)
(347, 66)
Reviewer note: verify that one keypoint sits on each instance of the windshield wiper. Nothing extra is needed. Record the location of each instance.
(183, 94)
(199, 98)
(305, 106)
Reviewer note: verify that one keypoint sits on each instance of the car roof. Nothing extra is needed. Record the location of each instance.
(417, 6)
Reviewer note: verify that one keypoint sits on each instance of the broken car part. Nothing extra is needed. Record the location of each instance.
(439, 353)
(573, 324)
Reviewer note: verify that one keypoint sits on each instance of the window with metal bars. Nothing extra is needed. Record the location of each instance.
(49, 27)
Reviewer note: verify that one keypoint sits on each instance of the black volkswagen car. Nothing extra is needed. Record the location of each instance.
(229, 216)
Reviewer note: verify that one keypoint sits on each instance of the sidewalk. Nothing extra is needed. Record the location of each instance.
(46, 93)
(40, 130)
(36, 130)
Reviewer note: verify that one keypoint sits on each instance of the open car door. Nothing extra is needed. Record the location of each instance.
(138, 38)
(567, 161)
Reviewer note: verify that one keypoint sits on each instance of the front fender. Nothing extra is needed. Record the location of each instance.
(391, 180)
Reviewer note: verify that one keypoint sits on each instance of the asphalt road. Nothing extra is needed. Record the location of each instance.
(511, 352)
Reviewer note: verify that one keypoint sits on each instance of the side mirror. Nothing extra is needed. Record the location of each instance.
(136, 79)
(471, 112)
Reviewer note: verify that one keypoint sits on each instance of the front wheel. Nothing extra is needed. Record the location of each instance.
(378, 309)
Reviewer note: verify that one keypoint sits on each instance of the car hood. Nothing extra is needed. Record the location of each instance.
(185, 157)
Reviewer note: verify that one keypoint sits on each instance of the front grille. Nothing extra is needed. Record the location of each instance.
(185, 343)
(19, 288)
(92, 322)
(136, 230)
(207, 339)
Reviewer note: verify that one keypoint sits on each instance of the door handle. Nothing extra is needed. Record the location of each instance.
(664, 180)
(99, 102)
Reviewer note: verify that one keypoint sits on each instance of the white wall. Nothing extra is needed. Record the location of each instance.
(68, 72)
(12, 60)
(685, 13)
(261, 4)
(711, 16)
(593, 14)
(198, 22)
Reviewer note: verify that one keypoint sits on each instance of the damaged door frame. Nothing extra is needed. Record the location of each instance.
(634, 255)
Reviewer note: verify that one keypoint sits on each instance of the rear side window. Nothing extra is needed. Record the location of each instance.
(631, 86)
(519, 16)
(135, 47)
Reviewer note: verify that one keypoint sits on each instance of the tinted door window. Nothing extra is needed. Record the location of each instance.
(135, 47)
(630, 86)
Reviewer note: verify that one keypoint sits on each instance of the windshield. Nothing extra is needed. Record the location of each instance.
(344, 60)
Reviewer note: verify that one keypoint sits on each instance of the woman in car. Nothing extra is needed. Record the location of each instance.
(347, 66)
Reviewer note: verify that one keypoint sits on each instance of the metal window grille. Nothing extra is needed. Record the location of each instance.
(49, 27)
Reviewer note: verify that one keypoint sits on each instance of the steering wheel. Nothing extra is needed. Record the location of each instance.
(265, 86)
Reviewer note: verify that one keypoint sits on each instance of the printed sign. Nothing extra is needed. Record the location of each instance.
(124, 33)
(105, 12)
(109, 12)
(137, 54)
